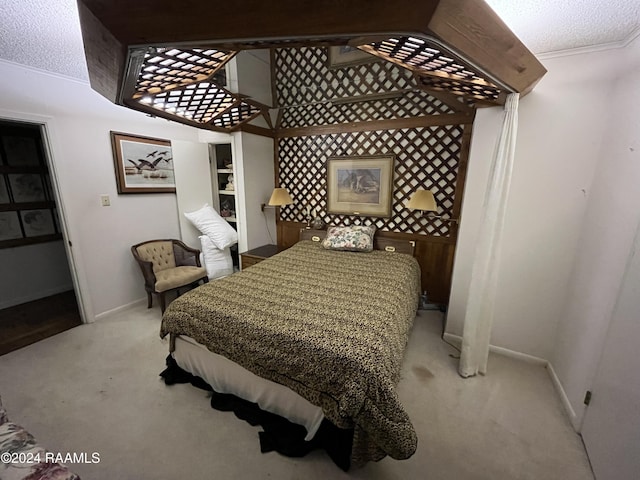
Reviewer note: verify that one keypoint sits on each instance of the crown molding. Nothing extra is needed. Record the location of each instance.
(632, 36)
(592, 48)
(44, 72)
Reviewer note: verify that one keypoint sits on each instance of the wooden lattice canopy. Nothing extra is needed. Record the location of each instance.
(162, 56)
(181, 84)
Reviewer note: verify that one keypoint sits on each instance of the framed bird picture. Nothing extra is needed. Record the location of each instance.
(142, 164)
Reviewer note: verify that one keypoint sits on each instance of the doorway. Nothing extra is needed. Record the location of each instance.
(39, 298)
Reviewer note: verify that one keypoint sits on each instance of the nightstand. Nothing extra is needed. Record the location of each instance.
(256, 255)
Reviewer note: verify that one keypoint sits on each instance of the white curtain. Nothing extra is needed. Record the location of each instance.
(482, 290)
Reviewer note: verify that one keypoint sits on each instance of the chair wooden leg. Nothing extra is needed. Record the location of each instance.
(162, 302)
(149, 300)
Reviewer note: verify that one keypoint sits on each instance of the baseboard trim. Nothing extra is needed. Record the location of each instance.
(457, 340)
(564, 399)
(519, 355)
(573, 418)
(31, 296)
(121, 308)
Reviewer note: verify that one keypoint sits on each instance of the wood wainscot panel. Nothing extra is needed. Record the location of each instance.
(436, 266)
(289, 232)
(434, 254)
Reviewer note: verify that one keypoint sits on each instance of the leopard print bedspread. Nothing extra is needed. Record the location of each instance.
(332, 326)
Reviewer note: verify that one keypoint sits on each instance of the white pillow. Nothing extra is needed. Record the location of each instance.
(209, 222)
(217, 262)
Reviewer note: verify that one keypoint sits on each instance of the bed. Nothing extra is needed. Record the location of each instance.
(312, 335)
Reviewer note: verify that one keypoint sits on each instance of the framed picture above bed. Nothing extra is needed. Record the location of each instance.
(142, 164)
(360, 185)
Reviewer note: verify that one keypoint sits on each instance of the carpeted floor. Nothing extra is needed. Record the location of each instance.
(95, 388)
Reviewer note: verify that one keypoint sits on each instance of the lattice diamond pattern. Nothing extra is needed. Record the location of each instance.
(422, 55)
(168, 67)
(199, 102)
(410, 104)
(311, 62)
(425, 158)
(235, 115)
(177, 82)
(480, 92)
(203, 103)
(309, 102)
(444, 71)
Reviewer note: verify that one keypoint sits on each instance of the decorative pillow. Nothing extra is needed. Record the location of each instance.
(354, 238)
(209, 222)
(217, 262)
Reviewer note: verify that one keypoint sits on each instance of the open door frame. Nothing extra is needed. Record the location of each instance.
(73, 256)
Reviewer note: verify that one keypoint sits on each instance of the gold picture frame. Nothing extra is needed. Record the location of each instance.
(360, 185)
(142, 164)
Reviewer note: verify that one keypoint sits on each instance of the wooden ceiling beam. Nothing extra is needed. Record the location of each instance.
(471, 29)
(106, 56)
(467, 27)
(166, 21)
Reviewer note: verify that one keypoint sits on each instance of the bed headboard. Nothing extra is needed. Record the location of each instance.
(379, 243)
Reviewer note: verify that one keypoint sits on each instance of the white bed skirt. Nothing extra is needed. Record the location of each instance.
(225, 376)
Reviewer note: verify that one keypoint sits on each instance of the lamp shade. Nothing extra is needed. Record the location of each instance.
(280, 197)
(422, 200)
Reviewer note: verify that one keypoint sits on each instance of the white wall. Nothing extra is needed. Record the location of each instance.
(605, 239)
(257, 173)
(35, 271)
(571, 214)
(79, 121)
(250, 74)
(192, 171)
(253, 75)
(561, 125)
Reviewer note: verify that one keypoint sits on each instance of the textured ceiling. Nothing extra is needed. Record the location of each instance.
(553, 25)
(46, 33)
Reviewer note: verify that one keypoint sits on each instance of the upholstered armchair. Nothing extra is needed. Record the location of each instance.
(168, 265)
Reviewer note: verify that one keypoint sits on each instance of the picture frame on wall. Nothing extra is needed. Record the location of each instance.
(27, 187)
(345, 56)
(27, 196)
(38, 222)
(10, 226)
(4, 193)
(142, 164)
(360, 185)
(21, 151)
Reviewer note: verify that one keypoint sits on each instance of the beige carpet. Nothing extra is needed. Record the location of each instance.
(95, 388)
